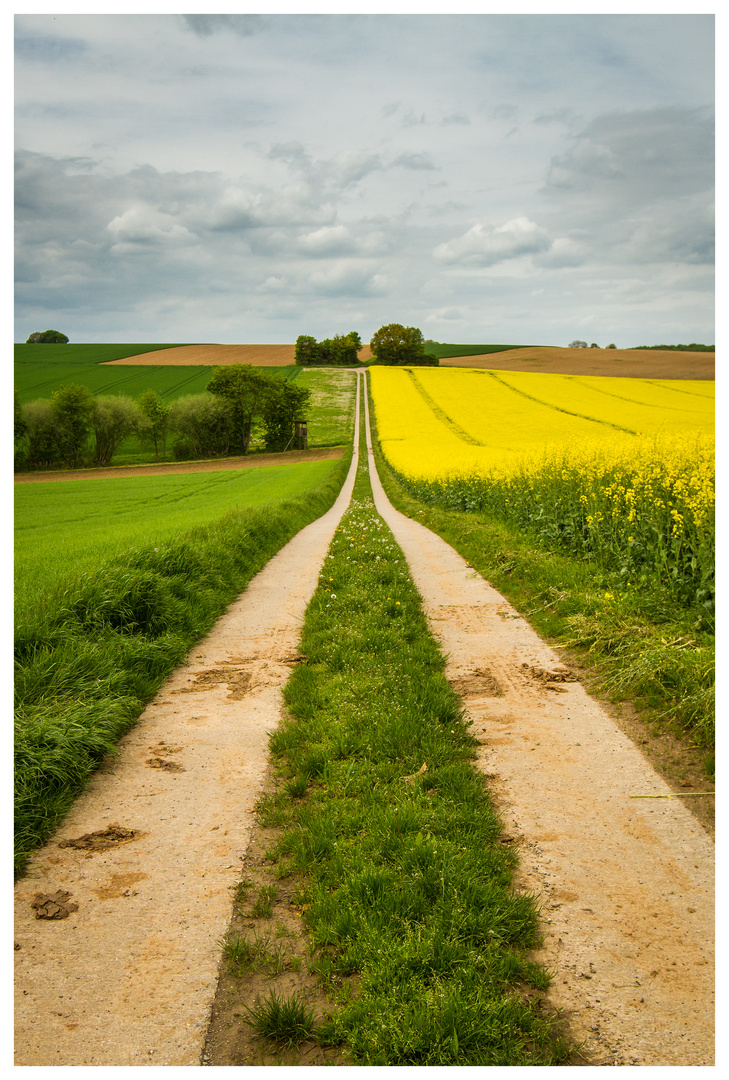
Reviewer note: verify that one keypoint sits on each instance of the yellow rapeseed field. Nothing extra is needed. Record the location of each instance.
(439, 422)
(621, 469)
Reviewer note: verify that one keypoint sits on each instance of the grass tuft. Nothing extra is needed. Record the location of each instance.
(288, 1021)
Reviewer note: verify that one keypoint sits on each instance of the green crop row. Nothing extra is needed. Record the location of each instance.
(63, 529)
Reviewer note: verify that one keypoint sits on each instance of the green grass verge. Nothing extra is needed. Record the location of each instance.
(642, 645)
(64, 529)
(407, 888)
(89, 659)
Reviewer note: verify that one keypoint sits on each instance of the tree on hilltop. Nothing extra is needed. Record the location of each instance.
(394, 344)
(340, 351)
(47, 337)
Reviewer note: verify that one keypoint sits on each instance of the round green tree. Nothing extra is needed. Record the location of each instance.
(396, 344)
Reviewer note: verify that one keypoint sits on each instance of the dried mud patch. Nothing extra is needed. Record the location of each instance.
(237, 681)
(103, 840)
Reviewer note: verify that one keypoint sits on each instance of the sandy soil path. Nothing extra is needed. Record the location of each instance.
(130, 976)
(626, 883)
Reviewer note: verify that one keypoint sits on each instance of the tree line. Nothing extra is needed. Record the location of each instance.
(392, 344)
(74, 428)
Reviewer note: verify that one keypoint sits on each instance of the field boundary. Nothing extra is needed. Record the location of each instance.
(162, 468)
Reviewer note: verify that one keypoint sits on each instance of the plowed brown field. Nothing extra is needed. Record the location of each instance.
(621, 363)
(213, 356)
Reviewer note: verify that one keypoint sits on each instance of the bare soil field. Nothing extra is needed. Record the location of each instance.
(618, 363)
(219, 356)
(212, 356)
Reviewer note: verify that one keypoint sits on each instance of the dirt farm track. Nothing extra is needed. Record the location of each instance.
(620, 363)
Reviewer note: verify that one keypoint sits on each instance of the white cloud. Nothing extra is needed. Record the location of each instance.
(486, 245)
(144, 225)
(329, 240)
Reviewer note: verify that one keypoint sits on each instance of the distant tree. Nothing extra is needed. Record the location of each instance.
(594, 346)
(244, 388)
(285, 404)
(153, 422)
(205, 425)
(305, 352)
(577, 345)
(47, 337)
(396, 344)
(339, 351)
(114, 416)
(612, 346)
(40, 431)
(72, 408)
(20, 430)
(693, 347)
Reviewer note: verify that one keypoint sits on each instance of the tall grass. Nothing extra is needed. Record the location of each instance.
(93, 654)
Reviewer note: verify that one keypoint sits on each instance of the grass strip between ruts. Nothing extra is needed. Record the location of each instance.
(407, 881)
(92, 655)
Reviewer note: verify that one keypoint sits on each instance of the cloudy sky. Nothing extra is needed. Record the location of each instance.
(524, 179)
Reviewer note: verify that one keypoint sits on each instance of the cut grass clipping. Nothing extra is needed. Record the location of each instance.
(407, 880)
(92, 654)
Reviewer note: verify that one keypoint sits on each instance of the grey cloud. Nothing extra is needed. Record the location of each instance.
(342, 170)
(684, 237)
(487, 245)
(349, 167)
(348, 278)
(505, 111)
(415, 161)
(46, 47)
(648, 154)
(455, 118)
(206, 25)
(564, 115)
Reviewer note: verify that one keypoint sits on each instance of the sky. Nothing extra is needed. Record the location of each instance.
(488, 178)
